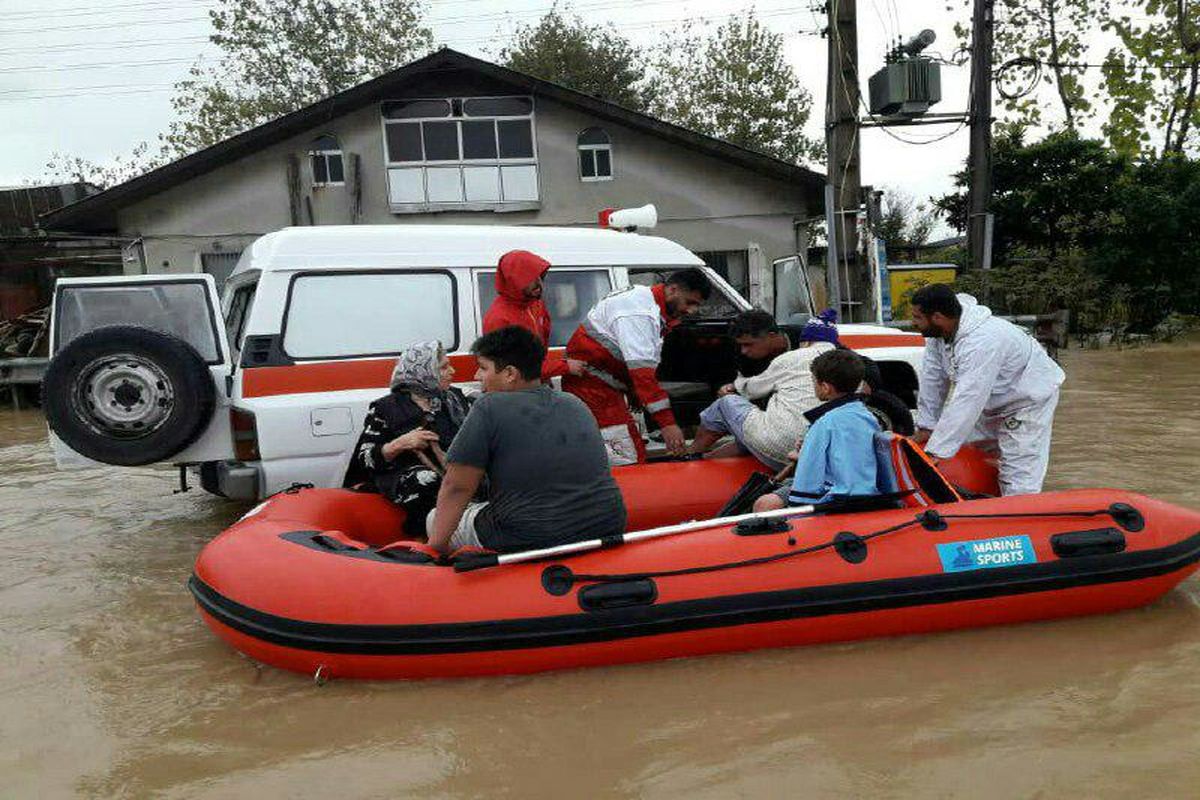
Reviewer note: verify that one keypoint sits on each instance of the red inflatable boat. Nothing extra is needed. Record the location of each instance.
(312, 580)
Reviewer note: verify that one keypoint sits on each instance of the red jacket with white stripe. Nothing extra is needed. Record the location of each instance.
(621, 342)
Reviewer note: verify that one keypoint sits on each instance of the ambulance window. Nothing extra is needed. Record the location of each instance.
(569, 296)
(239, 311)
(178, 308)
(343, 315)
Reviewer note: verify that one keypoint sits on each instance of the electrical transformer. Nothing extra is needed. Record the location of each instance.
(906, 88)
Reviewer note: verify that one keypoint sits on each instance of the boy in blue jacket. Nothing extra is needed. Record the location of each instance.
(838, 456)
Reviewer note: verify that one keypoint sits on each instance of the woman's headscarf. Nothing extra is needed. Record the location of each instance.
(417, 372)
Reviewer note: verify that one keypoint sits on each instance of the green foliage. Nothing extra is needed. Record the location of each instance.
(734, 84)
(904, 225)
(1152, 79)
(64, 168)
(279, 55)
(1049, 36)
(1066, 206)
(593, 59)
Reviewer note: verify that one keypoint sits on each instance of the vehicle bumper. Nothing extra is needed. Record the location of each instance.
(232, 479)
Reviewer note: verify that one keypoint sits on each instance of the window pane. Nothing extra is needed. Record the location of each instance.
(516, 138)
(482, 183)
(178, 309)
(498, 107)
(519, 183)
(479, 139)
(239, 312)
(336, 173)
(410, 109)
(320, 174)
(325, 143)
(404, 141)
(587, 164)
(593, 136)
(390, 312)
(603, 163)
(441, 141)
(406, 185)
(444, 184)
(569, 297)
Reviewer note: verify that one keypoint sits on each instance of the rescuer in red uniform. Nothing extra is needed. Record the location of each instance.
(519, 283)
(620, 345)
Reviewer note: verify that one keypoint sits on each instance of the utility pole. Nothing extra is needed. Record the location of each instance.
(979, 227)
(849, 283)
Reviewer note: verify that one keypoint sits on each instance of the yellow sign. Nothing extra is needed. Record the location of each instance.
(904, 279)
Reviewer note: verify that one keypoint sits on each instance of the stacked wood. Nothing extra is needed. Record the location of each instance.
(25, 336)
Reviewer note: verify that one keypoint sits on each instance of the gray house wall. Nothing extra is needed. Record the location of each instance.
(703, 202)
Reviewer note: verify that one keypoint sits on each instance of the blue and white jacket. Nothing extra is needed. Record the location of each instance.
(838, 456)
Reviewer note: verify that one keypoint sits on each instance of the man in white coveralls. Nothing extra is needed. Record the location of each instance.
(1005, 386)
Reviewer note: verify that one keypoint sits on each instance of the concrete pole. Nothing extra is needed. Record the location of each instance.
(979, 228)
(842, 143)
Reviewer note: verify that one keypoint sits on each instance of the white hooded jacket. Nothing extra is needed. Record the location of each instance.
(997, 369)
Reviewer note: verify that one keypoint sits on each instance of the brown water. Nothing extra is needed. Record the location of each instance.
(110, 686)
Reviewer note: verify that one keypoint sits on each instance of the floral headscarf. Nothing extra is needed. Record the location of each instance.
(417, 372)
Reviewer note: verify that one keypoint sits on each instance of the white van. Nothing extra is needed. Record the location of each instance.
(270, 385)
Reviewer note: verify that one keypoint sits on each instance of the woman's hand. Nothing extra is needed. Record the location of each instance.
(418, 439)
(726, 389)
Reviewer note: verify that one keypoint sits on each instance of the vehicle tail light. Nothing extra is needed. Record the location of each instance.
(245, 435)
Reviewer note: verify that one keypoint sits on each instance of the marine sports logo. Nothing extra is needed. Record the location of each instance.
(1003, 551)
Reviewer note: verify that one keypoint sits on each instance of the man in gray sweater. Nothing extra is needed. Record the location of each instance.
(768, 434)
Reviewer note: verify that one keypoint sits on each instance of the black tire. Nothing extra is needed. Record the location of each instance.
(127, 395)
(892, 413)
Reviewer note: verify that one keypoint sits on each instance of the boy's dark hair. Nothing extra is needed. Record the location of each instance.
(842, 369)
(691, 279)
(512, 346)
(937, 297)
(754, 322)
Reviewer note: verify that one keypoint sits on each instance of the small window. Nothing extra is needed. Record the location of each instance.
(239, 312)
(416, 109)
(595, 155)
(326, 156)
(569, 296)
(390, 312)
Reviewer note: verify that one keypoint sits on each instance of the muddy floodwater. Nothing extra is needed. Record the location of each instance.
(110, 686)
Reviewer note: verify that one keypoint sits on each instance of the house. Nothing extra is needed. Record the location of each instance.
(453, 139)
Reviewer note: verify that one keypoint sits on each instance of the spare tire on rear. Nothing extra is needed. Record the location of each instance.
(127, 395)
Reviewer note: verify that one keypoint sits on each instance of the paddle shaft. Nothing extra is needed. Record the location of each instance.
(479, 562)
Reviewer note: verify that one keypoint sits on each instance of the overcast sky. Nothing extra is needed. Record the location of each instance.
(94, 80)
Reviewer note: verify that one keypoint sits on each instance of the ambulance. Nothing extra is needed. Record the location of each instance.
(267, 384)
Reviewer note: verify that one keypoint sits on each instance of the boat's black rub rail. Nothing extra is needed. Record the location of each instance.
(689, 615)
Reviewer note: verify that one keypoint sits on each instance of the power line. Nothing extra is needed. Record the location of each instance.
(99, 65)
(136, 24)
(93, 11)
(119, 45)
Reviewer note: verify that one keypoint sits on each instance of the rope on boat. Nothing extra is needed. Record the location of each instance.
(851, 544)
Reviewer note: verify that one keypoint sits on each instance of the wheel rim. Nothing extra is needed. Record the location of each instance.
(123, 396)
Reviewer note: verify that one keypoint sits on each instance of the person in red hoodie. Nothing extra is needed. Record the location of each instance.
(519, 282)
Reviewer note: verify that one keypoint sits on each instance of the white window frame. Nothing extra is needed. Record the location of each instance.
(497, 162)
(591, 149)
(325, 154)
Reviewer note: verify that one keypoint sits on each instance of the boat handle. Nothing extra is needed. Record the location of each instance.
(606, 596)
(1088, 543)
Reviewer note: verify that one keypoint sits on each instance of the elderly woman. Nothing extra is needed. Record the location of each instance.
(406, 433)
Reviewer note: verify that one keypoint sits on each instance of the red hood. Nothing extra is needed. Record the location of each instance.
(659, 291)
(518, 269)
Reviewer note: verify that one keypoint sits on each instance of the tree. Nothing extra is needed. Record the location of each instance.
(1055, 194)
(64, 168)
(593, 59)
(904, 224)
(279, 55)
(1155, 78)
(735, 85)
(1042, 43)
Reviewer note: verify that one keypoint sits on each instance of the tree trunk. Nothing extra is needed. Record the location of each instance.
(1052, 14)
